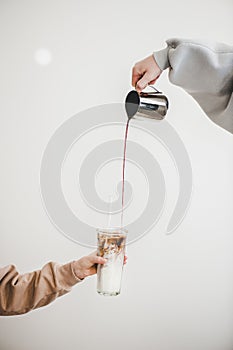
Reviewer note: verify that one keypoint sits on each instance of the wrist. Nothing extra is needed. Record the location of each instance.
(77, 271)
(162, 58)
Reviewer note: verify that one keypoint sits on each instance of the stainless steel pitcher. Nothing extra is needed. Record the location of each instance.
(153, 105)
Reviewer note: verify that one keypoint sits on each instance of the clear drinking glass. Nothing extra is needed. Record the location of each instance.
(111, 246)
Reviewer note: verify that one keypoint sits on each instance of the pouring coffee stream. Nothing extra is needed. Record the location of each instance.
(152, 105)
(112, 241)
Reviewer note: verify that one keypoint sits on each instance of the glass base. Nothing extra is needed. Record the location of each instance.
(108, 293)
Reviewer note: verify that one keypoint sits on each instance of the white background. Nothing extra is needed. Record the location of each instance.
(177, 290)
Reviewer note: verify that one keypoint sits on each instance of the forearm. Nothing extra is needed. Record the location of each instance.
(22, 293)
(205, 71)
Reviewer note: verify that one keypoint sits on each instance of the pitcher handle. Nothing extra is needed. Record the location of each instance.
(151, 86)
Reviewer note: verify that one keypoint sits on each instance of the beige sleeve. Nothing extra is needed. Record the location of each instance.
(22, 293)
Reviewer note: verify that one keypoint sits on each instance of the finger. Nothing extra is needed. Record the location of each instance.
(137, 73)
(97, 260)
(93, 270)
(153, 81)
(135, 77)
(140, 85)
(125, 259)
(143, 82)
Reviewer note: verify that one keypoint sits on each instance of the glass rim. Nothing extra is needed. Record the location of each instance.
(109, 230)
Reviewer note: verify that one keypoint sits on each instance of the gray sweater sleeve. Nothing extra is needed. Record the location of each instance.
(205, 71)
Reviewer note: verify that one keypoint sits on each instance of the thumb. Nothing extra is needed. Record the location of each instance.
(98, 260)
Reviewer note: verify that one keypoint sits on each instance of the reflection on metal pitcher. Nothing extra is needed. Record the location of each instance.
(153, 104)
